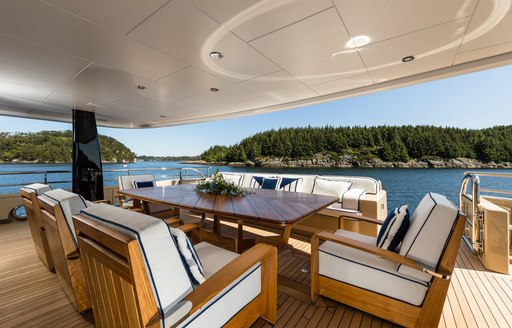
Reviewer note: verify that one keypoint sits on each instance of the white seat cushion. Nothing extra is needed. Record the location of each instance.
(429, 230)
(368, 271)
(213, 258)
(220, 309)
(166, 272)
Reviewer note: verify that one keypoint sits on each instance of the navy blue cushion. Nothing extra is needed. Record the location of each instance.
(270, 183)
(289, 184)
(394, 228)
(143, 184)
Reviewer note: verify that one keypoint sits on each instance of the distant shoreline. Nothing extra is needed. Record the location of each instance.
(348, 162)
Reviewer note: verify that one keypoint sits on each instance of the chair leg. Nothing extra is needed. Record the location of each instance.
(315, 290)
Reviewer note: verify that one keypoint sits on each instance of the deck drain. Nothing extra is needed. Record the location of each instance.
(303, 270)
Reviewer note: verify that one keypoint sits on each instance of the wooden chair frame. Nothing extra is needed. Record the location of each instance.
(36, 225)
(66, 258)
(402, 313)
(121, 292)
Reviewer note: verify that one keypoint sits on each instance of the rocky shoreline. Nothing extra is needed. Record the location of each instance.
(348, 161)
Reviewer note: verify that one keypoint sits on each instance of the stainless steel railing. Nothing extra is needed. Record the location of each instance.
(44, 176)
(474, 232)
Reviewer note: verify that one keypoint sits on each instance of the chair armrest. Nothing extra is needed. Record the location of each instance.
(222, 278)
(392, 256)
(73, 255)
(173, 222)
(357, 217)
(105, 201)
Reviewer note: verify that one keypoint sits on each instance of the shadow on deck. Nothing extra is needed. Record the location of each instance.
(31, 295)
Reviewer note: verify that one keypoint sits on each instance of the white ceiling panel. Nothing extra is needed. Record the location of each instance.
(37, 67)
(119, 83)
(52, 28)
(9, 89)
(432, 48)
(181, 23)
(491, 26)
(306, 49)
(107, 13)
(252, 19)
(349, 83)
(280, 87)
(381, 20)
(192, 81)
(464, 57)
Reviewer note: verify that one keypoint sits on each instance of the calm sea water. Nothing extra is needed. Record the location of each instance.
(403, 186)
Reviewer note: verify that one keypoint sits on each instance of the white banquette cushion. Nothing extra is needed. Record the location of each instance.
(331, 187)
(70, 204)
(368, 271)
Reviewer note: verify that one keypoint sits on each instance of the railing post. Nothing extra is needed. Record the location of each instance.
(45, 177)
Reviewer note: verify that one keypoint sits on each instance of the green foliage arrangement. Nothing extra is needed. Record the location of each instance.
(218, 185)
(389, 143)
(55, 147)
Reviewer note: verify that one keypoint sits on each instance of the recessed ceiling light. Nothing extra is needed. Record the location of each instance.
(214, 89)
(358, 41)
(141, 87)
(407, 59)
(163, 116)
(216, 55)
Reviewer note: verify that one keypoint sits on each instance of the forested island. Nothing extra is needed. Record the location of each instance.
(381, 146)
(146, 158)
(55, 147)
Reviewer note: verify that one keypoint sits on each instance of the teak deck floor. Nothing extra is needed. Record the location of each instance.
(30, 295)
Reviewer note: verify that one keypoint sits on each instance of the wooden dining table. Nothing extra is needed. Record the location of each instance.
(272, 208)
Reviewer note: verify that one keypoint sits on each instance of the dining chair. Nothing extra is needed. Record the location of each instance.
(57, 208)
(407, 287)
(157, 278)
(29, 195)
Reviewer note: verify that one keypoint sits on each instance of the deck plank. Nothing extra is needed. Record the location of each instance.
(476, 298)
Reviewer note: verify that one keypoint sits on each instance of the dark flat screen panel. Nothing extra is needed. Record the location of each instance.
(87, 169)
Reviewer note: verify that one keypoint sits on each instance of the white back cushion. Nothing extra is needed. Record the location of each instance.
(371, 185)
(38, 188)
(70, 203)
(330, 187)
(236, 178)
(167, 274)
(126, 181)
(430, 228)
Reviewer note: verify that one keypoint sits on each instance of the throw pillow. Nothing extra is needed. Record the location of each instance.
(270, 183)
(289, 184)
(189, 256)
(143, 184)
(394, 228)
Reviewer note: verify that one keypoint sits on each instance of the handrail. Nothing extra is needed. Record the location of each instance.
(45, 174)
(475, 218)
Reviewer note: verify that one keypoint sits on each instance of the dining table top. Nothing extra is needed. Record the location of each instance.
(272, 206)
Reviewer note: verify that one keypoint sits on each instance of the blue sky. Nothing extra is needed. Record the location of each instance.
(477, 100)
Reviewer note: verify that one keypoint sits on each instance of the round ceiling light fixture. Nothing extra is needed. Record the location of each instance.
(214, 89)
(407, 59)
(358, 41)
(216, 55)
(141, 87)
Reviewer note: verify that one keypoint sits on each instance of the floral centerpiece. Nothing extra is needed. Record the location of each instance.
(218, 185)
